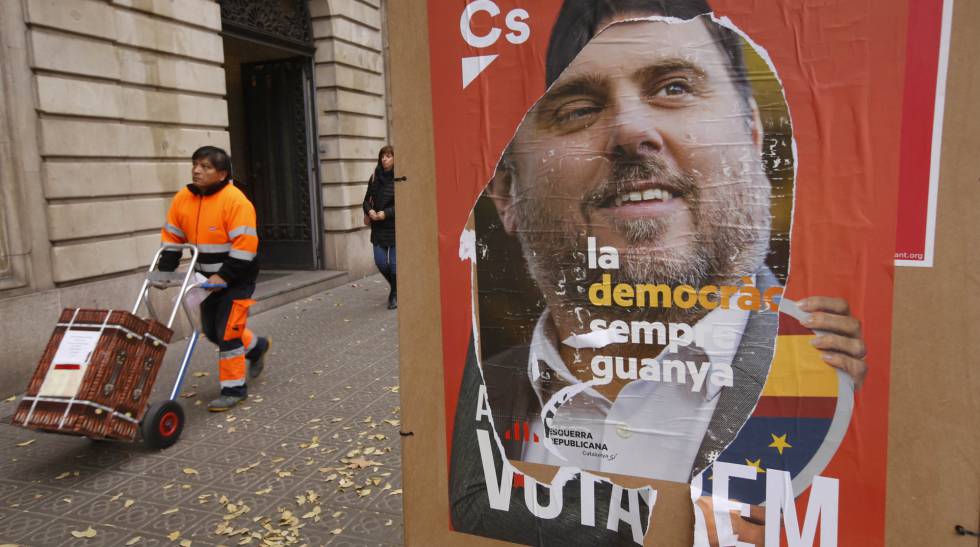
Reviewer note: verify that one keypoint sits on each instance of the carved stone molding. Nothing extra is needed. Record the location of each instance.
(282, 21)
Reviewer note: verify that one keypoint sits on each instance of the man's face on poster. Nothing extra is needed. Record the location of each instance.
(646, 143)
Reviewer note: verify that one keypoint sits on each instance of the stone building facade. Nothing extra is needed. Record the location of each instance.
(103, 101)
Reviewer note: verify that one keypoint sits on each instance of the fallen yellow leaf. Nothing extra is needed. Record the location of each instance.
(361, 463)
(171, 511)
(336, 531)
(190, 471)
(172, 536)
(128, 503)
(134, 541)
(395, 492)
(87, 533)
(185, 543)
(247, 468)
(26, 443)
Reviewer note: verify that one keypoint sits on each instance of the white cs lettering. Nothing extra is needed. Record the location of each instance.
(519, 30)
(514, 21)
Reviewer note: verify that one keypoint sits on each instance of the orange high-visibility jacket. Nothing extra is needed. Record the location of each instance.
(220, 221)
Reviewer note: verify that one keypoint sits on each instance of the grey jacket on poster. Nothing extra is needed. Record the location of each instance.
(512, 398)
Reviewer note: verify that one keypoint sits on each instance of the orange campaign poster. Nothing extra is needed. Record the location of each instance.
(667, 234)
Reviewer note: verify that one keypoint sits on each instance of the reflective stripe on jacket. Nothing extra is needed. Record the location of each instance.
(220, 221)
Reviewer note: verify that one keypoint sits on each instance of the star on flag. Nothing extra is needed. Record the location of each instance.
(779, 443)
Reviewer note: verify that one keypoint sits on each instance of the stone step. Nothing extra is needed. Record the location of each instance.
(278, 288)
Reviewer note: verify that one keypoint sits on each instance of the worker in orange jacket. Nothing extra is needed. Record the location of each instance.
(214, 215)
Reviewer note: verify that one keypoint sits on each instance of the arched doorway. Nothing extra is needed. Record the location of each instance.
(269, 50)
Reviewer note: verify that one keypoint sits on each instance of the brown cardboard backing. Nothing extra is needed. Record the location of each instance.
(934, 407)
(934, 436)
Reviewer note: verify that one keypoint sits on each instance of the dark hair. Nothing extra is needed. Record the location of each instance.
(386, 149)
(578, 22)
(219, 158)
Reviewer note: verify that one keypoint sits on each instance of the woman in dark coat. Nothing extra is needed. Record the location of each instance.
(379, 210)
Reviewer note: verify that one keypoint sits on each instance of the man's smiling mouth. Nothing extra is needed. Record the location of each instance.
(639, 196)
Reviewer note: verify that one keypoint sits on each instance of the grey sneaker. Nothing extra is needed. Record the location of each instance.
(256, 365)
(225, 402)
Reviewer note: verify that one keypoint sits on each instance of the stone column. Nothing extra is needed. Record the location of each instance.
(350, 84)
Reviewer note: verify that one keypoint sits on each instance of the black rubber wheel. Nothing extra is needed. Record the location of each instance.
(162, 425)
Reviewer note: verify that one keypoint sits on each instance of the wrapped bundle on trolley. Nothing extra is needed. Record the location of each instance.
(96, 374)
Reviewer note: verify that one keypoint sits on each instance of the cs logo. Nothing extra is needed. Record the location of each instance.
(514, 21)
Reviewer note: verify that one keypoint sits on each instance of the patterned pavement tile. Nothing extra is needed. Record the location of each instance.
(60, 504)
(155, 489)
(388, 503)
(189, 470)
(137, 516)
(147, 540)
(141, 463)
(94, 510)
(375, 527)
(253, 443)
(106, 455)
(7, 488)
(277, 481)
(17, 526)
(184, 519)
(58, 532)
(102, 481)
(30, 496)
(274, 423)
(201, 451)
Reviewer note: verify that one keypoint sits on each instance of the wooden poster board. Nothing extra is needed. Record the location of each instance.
(934, 437)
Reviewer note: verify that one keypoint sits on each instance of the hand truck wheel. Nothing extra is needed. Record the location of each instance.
(162, 424)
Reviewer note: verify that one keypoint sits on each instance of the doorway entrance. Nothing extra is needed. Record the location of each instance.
(273, 146)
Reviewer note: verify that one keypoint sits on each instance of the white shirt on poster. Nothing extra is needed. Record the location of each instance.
(652, 429)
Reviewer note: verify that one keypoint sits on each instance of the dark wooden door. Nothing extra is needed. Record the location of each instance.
(281, 172)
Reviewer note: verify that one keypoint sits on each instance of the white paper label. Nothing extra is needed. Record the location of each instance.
(70, 362)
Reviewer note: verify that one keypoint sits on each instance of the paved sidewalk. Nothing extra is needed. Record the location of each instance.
(313, 457)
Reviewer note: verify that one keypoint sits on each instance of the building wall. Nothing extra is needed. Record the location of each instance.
(104, 101)
(351, 116)
(101, 104)
(126, 90)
